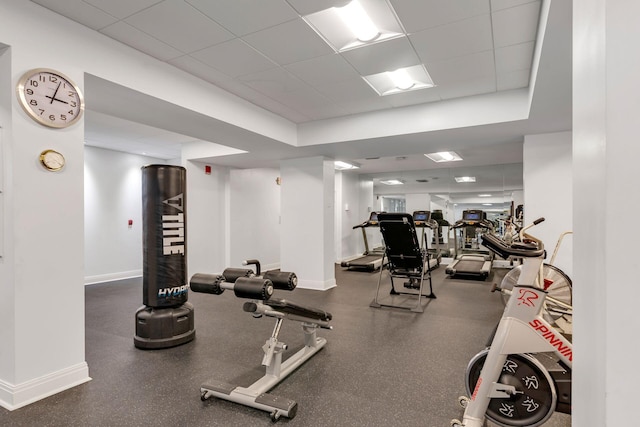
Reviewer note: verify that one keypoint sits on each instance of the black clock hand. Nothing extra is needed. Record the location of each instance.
(55, 93)
(53, 98)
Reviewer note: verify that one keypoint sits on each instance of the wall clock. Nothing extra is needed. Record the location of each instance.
(50, 98)
(52, 160)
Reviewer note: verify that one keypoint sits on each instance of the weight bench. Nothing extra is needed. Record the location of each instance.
(405, 259)
(245, 285)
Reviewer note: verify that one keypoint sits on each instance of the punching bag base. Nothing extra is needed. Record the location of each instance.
(164, 327)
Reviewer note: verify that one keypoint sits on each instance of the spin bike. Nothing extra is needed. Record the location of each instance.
(505, 382)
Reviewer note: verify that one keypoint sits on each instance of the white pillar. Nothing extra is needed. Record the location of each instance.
(42, 245)
(606, 65)
(307, 209)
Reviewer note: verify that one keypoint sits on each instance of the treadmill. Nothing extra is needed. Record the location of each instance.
(471, 261)
(370, 260)
(422, 219)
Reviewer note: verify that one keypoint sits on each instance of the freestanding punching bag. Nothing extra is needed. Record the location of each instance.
(166, 319)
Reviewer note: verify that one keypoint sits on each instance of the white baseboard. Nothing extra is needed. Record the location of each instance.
(317, 285)
(16, 396)
(100, 278)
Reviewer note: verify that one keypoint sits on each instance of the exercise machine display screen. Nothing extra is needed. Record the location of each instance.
(421, 216)
(472, 216)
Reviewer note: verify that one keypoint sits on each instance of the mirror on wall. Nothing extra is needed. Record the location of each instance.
(495, 189)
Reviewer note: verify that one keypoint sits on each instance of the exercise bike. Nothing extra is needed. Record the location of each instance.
(507, 383)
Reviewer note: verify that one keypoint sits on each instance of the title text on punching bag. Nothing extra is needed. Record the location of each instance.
(173, 234)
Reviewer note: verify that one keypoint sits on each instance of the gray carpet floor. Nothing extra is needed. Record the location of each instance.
(380, 367)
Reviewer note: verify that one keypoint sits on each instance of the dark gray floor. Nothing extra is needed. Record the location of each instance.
(380, 367)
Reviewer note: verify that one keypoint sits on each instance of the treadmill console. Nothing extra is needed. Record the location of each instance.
(472, 217)
(420, 218)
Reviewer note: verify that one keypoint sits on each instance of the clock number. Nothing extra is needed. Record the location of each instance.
(33, 83)
(53, 79)
(52, 117)
(29, 91)
(41, 78)
(72, 103)
(33, 102)
(41, 111)
(72, 94)
(70, 112)
(63, 117)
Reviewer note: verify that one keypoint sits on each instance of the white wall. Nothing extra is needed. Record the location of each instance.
(348, 213)
(255, 217)
(208, 222)
(418, 202)
(112, 196)
(548, 189)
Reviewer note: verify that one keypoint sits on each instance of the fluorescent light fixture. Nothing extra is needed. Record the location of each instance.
(358, 23)
(487, 204)
(444, 156)
(357, 20)
(401, 80)
(465, 179)
(484, 195)
(392, 182)
(340, 165)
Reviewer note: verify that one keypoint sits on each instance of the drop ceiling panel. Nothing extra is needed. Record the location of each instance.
(379, 57)
(79, 11)
(457, 39)
(349, 90)
(256, 15)
(274, 83)
(293, 41)
(464, 68)
(413, 97)
(468, 87)
(423, 14)
(516, 25)
(506, 4)
(234, 58)
(307, 100)
(307, 7)
(201, 70)
(513, 79)
(179, 25)
(135, 38)
(323, 69)
(121, 8)
(514, 57)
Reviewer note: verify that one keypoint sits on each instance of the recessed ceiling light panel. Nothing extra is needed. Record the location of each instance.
(340, 165)
(401, 80)
(357, 24)
(392, 182)
(465, 179)
(444, 156)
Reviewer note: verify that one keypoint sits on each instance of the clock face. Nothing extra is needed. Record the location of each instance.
(52, 160)
(50, 98)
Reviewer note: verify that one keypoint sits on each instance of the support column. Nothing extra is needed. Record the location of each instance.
(605, 157)
(307, 221)
(42, 318)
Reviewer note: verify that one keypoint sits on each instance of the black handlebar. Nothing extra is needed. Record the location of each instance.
(538, 221)
(519, 249)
